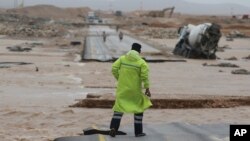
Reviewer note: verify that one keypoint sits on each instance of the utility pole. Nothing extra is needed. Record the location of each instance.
(15, 3)
(232, 11)
(111, 7)
(141, 8)
(22, 4)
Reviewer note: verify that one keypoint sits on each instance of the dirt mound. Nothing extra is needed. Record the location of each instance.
(78, 12)
(173, 102)
(30, 26)
(48, 11)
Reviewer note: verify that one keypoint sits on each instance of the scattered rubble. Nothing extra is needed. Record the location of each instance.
(222, 65)
(222, 48)
(241, 71)
(24, 26)
(236, 34)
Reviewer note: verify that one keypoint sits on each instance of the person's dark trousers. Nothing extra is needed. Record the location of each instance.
(138, 124)
(116, 120)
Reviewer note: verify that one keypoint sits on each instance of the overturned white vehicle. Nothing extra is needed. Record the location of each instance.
(199, 41)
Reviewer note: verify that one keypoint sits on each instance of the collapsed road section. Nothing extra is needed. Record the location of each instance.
(103, 44)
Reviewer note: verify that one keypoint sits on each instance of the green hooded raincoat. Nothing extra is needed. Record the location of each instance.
(130, 71)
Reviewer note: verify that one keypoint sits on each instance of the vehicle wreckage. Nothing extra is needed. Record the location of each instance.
(198, 41)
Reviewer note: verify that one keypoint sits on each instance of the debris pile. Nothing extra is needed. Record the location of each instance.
(23, 26)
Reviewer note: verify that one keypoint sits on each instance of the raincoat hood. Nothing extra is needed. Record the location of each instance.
(133, 55)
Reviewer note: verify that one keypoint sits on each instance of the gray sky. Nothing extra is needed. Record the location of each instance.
(106, 4)
(240, 2)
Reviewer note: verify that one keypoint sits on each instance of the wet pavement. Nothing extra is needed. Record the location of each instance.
(98, 49)
(164, 132)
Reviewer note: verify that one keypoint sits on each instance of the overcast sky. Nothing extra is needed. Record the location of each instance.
(104, 4)
(241, 2)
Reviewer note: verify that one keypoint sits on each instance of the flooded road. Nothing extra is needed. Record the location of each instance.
(98, 49)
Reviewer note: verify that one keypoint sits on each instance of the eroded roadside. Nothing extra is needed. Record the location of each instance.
(170, 101)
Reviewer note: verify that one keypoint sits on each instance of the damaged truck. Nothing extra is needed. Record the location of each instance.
(198, 41)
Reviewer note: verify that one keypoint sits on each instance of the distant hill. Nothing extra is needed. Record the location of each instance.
(211, 9)
(183, 7)
(49, 11)
(2, 10)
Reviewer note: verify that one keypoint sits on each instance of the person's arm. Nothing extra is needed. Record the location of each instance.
(145, 78)
(115, 68)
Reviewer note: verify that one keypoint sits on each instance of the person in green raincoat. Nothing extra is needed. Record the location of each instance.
(132, 74)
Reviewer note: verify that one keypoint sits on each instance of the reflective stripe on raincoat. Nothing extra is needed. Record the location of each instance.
(130, 71)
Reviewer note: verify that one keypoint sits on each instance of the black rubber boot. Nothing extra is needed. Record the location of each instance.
(140, 135)
(112, 132)
(115, 123)
(138, 125)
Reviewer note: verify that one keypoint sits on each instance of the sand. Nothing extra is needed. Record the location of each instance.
(34, 104)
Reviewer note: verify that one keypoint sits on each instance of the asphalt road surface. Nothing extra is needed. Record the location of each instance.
(164, 132)
(97, 49)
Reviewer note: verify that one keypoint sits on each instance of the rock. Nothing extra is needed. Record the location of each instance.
(241, 71)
